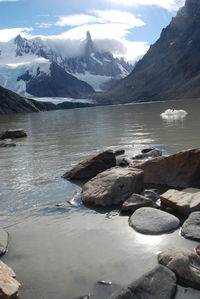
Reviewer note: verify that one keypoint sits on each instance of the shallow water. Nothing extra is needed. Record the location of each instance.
(61, 252)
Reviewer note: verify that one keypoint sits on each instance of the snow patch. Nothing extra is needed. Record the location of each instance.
(94, 80)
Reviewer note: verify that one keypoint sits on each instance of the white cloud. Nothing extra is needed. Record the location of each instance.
(167, 4)
(9, 0)
(9, 33)
(76, 20)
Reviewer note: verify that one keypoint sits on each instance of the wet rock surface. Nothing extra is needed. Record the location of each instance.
(181, 201)
(13, 134)
(148, 153)
(136, 201)
(191, 227)
(153, 221)
(8, 284)
(112, 186)
(91, 166)
(184, 263)
(160, 283)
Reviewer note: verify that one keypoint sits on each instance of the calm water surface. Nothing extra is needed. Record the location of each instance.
(61, 253)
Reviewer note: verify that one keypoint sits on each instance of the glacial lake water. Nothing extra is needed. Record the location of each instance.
(61, 253)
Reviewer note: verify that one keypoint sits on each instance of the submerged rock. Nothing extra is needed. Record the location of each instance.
(184, 263)
(153, 221)
(191, 227)
(181, 201)
(7, 144)
(136, 201)
(91, 166)
(3, 241)
(159, 283)
(179, 170)
(113, 186)
(13, 133)
(8, 284)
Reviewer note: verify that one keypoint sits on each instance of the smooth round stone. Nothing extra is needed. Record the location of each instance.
(152, 221)
(191, 227)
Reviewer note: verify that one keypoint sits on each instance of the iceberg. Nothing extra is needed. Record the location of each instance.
(173, 114)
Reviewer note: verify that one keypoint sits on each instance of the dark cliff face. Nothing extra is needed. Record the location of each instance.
(171, 68)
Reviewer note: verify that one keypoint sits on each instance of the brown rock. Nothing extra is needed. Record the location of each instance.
(181, 201)
(179, 170)
(8, 284)
(136, 201)
(91, 166)
(113, 186)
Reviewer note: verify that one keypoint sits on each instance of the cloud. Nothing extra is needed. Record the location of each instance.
(76, 20)
(9, 33)
(9, 0)
(167, 4)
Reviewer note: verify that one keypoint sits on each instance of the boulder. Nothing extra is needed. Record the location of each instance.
(153, 221)
(136, 201)
(3, 241)
(191, 227)
(123, 161)
(181, 201)
(159, 283)
(151, 153)
(91, 166)
(119, 152)
(7, 144)
(113, 186)
(180, 170)
(184, 263)
(8, 284)
(13, 133)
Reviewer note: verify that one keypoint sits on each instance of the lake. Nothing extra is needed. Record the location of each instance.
(61, 252)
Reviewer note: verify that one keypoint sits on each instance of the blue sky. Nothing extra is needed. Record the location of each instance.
(133, 24)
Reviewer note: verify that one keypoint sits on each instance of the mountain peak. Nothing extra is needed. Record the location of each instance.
(89, 47)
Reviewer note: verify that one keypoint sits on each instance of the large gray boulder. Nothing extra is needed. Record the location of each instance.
(3, 241)
(113, 186)
(179, 170)
(13, 133)
(136, 201)
(191, 227)
(153, 221)
(91, 166)
(184, 202)
(8, 284)
(184, 263)
(159, 283)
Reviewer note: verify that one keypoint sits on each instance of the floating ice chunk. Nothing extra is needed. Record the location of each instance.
(173, 114)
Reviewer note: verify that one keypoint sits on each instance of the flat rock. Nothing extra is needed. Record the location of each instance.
(184, 263)
(181, 201)
(179, 170)
(191, 227)
(136, 201)
(3, 241)
(8, 284)
(159, 283)
(113, 186)
(153, 221)
(13, 133)
(91, 166)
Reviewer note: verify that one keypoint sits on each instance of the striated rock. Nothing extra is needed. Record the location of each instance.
(153, 221)
(8, 284)
(13, 133)
(180, 170)
(151, 153)
(184, 263)
(113, 186)
(91, 166)
(182, 202)
(136, 201)
(159, 283)
(191, 227)
(3, 241)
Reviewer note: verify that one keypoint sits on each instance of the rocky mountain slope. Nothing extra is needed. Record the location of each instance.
(171, 68)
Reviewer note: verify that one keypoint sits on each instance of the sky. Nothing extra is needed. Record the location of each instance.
(125, 27)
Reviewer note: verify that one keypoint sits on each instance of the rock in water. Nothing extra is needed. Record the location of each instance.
(136, 201)
(191, 227)
(184, 263)
(112, 186)
(148, 154)
(7, 144)
(91, 166)
(8, 284)
(179, 170)
(13, 133)
(159, 283)
(181, 201)
(3, 241)
(153, 221)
